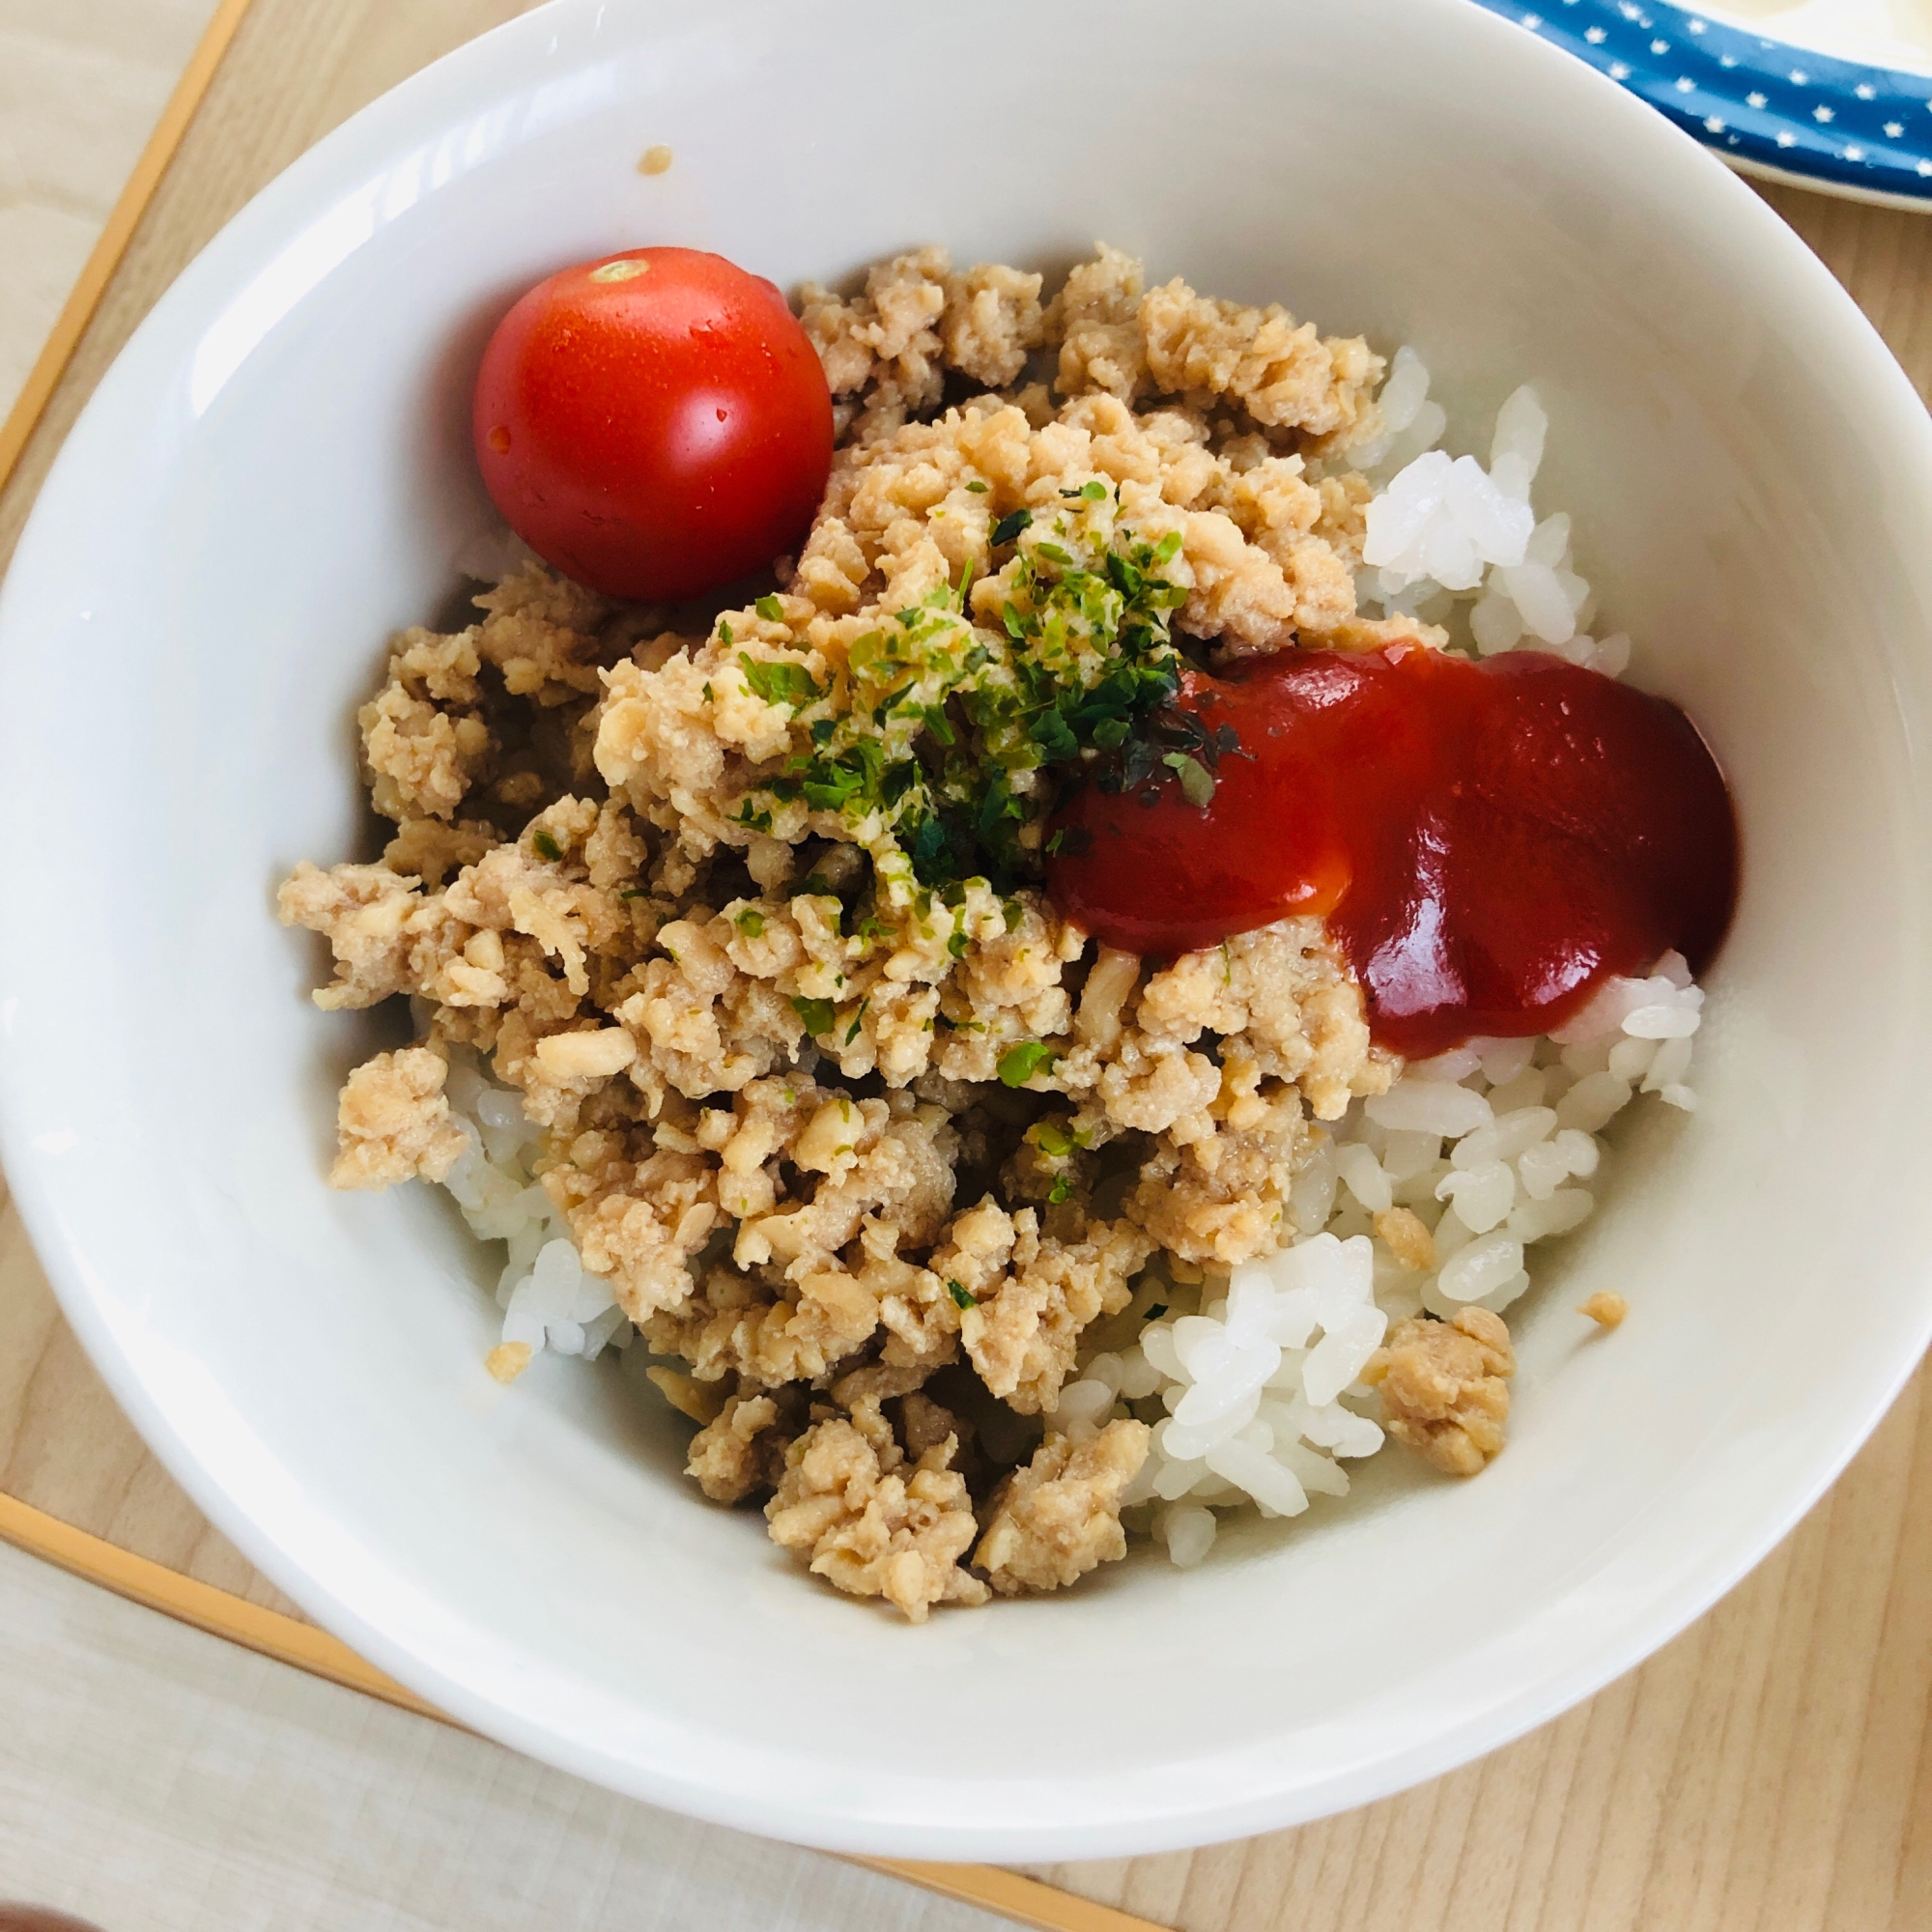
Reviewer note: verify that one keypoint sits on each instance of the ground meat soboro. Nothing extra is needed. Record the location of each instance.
(1445, 1388)
(865, 1138)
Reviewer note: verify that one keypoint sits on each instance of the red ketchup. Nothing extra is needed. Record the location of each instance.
(1487, 841)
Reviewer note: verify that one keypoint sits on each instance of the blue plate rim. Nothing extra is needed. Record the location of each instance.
(1767, 106)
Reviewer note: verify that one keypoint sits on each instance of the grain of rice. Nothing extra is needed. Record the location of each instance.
(1188, 1530)
(1612, 655)
(1404, 391)
(1429, 1107)
(1457, 1064)
(1409, 1153)
(1504, 1060)
(1484, 1264)
(1663, 1022)
(1538, 1220)
(1669, 1064)
(1265, 1479)
(1536, 593)
(1527, 1089)
(1453, 1234)
(1630, 1059)
(1088, 1401)
(1593, 1102)
(1106, 1370)
(1522, 427)
(1318, 1475)
(1495, 623)
(1483, 1194)
(1505, 1137)
(1550, 541)
(1543, 1168)
(1365, 1177)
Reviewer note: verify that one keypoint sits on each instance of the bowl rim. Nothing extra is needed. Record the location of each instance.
(501, 57)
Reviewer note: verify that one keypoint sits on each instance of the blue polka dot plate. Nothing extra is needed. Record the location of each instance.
(1840, 97)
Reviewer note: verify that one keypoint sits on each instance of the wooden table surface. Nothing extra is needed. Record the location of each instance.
(1770, 1770)
(81, 83)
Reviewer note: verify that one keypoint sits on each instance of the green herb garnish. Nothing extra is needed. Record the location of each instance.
(961, 1296)
(1196, 781)
(780, 683)
(924, 746)
(1020, 1064)
(1010, 526)
(751, 922)
(817, 1015)
(546, 846)
(770, 608)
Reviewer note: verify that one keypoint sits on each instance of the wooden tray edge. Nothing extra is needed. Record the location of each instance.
(218, 1613)
(70, 324)
(288, 1640)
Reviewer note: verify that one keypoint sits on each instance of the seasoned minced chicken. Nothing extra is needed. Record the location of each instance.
(1445, 1387)
(865, 1141)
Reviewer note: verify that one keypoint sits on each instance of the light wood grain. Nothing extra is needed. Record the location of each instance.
(1769, 1772)
(81, 83)
(38, 259)
(1884, 258)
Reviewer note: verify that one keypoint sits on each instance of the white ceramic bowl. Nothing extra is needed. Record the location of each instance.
(275, 474)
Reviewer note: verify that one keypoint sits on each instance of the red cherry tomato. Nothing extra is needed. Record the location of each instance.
(654, 424)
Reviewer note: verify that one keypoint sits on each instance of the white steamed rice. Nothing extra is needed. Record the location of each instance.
(1457, 544)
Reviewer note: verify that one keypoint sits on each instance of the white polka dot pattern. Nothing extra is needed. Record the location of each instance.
(1836, 122)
